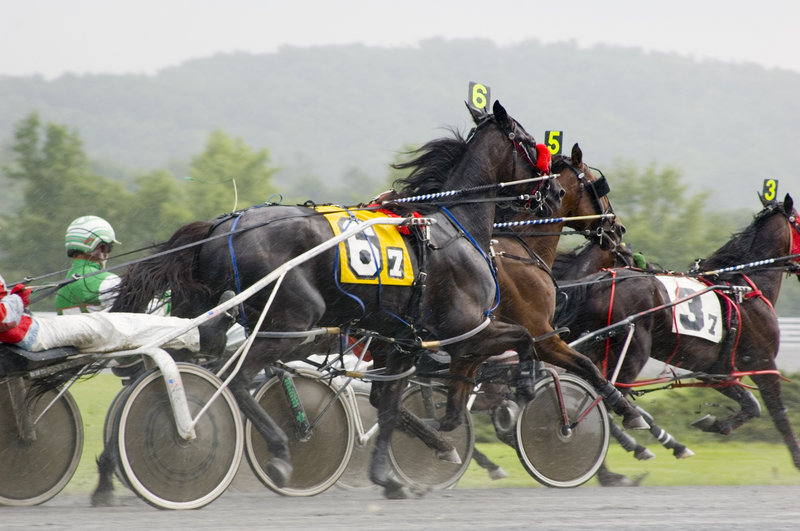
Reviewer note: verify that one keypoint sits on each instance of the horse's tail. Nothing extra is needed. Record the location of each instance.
(53, 382)
(173, 269)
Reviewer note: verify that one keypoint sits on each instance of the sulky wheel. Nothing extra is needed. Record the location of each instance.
(164, 469)
(417, 464)
(319, 458)
(36, 460)
(552, 455)
(356, 475)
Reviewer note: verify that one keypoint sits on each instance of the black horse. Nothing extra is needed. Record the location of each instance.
(747, 326)
(453, 291)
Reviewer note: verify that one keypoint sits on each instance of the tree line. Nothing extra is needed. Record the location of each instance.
(53, 182)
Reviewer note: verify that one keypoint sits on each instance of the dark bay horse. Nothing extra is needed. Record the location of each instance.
(456, 299)
(747, 325)
(525, 256)
(573, 266)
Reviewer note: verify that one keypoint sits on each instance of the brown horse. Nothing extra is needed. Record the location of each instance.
(524, 257)
(746, 326)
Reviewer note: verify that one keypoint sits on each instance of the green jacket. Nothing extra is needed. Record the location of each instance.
(93, 293)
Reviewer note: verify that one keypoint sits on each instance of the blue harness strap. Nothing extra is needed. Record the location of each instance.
(483, 254)
(235, 266)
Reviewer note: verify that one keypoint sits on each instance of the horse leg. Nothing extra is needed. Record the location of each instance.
(458, 390)
(770, 387)
(680, 451)
(750, 408)
(494, 470)
(386, 398)
(430, 435)
(629, 443)
(103, 495)
(279, 468)
(554, 350)
(606, 478)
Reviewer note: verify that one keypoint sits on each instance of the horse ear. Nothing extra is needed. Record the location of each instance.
(577, 155)
(477, 115)
(788, 205)
(500, 114)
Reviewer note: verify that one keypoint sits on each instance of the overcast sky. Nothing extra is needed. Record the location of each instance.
(52, 37)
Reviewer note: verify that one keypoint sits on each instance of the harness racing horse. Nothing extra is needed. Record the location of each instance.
(754, 259)
(575, 265)
(239, 250)
(528, 292)
(524, 257)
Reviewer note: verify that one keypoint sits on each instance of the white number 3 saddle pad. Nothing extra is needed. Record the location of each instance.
(699, 316)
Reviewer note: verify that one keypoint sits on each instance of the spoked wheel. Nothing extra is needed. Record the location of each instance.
(159, 465)
(356, 475)
(36, 460)
(417, 464)
(320, 457)
(553, 455)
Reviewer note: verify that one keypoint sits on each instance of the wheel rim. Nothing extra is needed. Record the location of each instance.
(161, 467)
(356, 475)
(32, 472)
(417, 464)
(552, 457)
(317, 461)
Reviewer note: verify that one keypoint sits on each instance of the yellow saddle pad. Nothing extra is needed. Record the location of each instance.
(378, 255)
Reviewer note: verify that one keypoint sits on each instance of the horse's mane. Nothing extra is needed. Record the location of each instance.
(144, 281)
(430, 167)
(571, 302)
(564, 260)
(560, 161)
(744, 244)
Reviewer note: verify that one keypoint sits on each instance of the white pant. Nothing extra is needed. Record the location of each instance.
(107, 332)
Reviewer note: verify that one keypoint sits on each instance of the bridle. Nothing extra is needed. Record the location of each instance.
(538, 201)
(597, 189)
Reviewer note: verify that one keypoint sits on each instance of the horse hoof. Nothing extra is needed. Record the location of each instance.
(618, 480)
(683, 454)
(497, 473)
(279, 471)
(104, 499)
(635, 423)
(705, 423)
(397, 492)
(644, 454)
(450, 456)
(614, 480)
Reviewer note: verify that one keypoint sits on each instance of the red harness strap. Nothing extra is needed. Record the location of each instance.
(732, 306)
(608, 321)
(401, 229)
(756, 292)
(677, 334)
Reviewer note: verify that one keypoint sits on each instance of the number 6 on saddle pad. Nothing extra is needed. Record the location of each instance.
(378, 255)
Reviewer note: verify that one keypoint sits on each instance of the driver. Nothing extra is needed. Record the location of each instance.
(88, 240)
(104, 331)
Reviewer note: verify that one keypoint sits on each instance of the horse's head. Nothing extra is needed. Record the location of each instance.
(529, 160)
(786, 207)
(587, 195)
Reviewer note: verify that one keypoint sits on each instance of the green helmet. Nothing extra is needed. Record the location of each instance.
(87, 232)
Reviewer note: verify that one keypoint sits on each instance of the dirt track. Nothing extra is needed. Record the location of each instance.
(747, 507)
